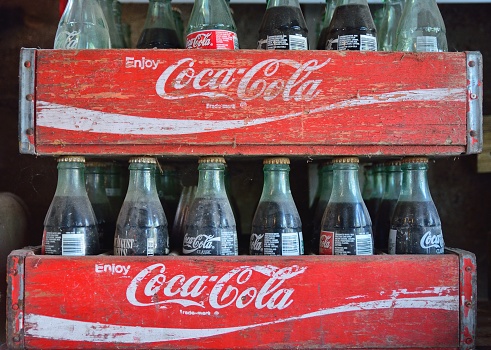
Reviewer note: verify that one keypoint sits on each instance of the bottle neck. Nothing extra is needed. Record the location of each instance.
(345, 187)
(352, 2)
(326, 183)
(290, 3)
(71, 180)
(276, 180)
(159, 15)
(393, 184)
(142, 179)
(211, 181)
(378, 184)
(414, 186)
(94, 181)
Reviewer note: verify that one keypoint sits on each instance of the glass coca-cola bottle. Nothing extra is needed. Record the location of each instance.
(209, 228)
(415, 226)
(159, 30)
(326, 21)
(107, 7)
(70, 226)
(82, 26)
(96, 190)
(346, 228)
(352, 27)
(324, 196)
(387, 205)
(169, 190)
(421, 28)
(211, 26)
(276, 226)
(373, 202)
(387, 33)
(141, 228)
(283, 27)
(177, 236)
(114, 186)
(369, 182)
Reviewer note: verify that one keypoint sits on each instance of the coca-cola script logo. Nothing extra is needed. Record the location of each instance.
(258, 286)
(268, 79)
(256, 242)
(325, 242)
(200, 40)
(193, 243)
(432, 241)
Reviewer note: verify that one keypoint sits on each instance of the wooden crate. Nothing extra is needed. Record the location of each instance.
(249, 102)
(244, 302)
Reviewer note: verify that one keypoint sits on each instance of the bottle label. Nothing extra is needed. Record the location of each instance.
(218, 242)
(124, 246)
(275, 243)
(73, 244)
(346, 243)
(355, 42)
(212, 39)
(419, 240)
(392, 241)
(426, 44)
(52, 243)
(150, 247)
(283, 42)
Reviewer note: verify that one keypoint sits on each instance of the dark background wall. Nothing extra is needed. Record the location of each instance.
(462, 196)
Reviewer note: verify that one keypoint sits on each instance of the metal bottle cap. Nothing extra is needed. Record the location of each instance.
(211, 160)
(415, 160)
(148, 160)
(346, 160)
(78, 159)
(276, 160)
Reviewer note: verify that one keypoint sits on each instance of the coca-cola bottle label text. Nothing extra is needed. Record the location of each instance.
(352, 242)
(419, 240)
(275, 243)
(356, 42)
(283, 42)
(212, 39)
(222, 242)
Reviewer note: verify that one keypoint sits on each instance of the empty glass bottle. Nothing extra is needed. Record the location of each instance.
(387, 33)
(346, 228)
(209, 228)
(211, 26)
(421, 28)
(326, 20)
(352, 27)
(119, 24)
(159, 30)
(82, 26)
(283, 27)
(141, 228)
(96, 190)
(324, 196)
(70, 226)
(387, 205)
(415, 226)
(107, 7)
(276, 226)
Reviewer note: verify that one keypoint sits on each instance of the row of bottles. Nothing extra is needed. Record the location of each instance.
(405, 220)
(406, 25)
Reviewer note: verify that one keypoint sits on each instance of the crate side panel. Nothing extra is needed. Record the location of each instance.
(242, 302)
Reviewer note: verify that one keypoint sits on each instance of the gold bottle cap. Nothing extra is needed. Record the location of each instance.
(393, 163)
(211, 160)
(78, 159)
(346, 160)
(415, 160)
(148, 160)
(276, 160)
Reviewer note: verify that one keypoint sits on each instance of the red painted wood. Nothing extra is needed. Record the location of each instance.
(242, 302)
(250, 102)
(63, 4)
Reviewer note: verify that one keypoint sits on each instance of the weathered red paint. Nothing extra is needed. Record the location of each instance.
(241, 302)
(250, 102)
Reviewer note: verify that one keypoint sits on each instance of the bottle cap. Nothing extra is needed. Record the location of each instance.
(346, 160)
(211, 160)
(95, 164)
(79, 159)
(393, 163)
(415, 160)
(276, 160)
(149, 160)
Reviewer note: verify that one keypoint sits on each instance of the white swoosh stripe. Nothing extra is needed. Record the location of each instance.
(47, 327)
(52, 115)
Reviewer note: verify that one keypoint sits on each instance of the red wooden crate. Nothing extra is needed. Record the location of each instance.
(249, 102)
(372, 302)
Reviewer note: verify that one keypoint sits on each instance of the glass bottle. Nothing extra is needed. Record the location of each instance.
(369, 182)
(324, 196)
(114, 187)
(96, 190)
(352, 27)
(82, 26)
(177, 14)
(177, 236)
(415, 226)
(209, 228)
(107, 7)
(421, 28)
(386, 36)
(119, 24)
(387, 205)
(141, 228)
(276, 226)
(70, 226)
(346, 228)
(373, 202)
(169, 190)
(283, 27)
(159, 30)
(326, 20)
(211, 26)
